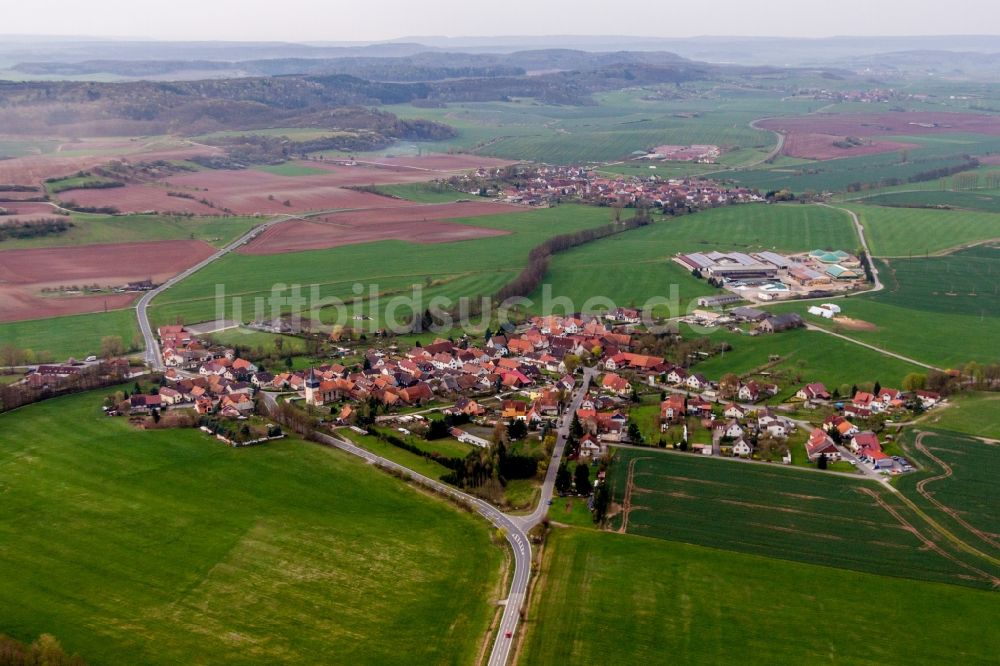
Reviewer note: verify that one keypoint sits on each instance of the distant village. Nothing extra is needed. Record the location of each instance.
(549, 185)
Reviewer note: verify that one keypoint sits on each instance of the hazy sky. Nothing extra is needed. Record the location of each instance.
(362, 20)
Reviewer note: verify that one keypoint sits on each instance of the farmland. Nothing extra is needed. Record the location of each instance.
(633, 267)
(806, 356)
(963, 283)
(945, 339)
(72, 335)
(790, 514)
(957, 485)
(24, 273)
(621, 123)
(102, 229)
(421, 223)
(154, 546)
(970, 413)
(905, 232)
(633, 600)
(467, 268)
(964, 200)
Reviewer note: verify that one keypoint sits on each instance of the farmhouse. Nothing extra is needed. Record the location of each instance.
(782, 322)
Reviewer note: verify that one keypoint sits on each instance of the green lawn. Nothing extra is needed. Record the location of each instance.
(630, 268)
(785, 513)
(914, 232)
(72, 335)
(247, 337)
(95, 229)
(428, 468)
(166, 547)
(622, 599)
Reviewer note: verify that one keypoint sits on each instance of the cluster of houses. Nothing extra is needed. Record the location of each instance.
(549, 184)
(737, 427)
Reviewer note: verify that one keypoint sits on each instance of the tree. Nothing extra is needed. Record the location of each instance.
(602, 498)
(914, 381)
(730, 384)
(112, 346)
(572, 362)
(437, 430)
(634, 434)
(563, 479)
(576, 428)
(877, 388)
(156, 416)
(822, 462)
(581, 478)
(516, 430)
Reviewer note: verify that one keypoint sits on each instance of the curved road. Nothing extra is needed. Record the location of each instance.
(515, 528)
(153, 357)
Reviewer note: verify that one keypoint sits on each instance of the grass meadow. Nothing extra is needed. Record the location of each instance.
(785, 513)
(167, 547)
(623, 599)
(806, 356)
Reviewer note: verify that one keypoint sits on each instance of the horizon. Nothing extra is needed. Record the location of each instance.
(394, 20)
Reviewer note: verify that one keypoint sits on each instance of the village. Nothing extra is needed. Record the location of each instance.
(515, 386)
(550, 185)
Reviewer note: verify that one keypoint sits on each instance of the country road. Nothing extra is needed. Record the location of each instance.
(515, 528)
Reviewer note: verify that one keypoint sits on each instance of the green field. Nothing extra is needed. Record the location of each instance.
(786, 513)
(632, 267)
(429, 468)
(465, 268)
(970, 413)
(906, 232)
(73, 335)
(970, 200)
(75, 182)
(292, 169)
(247, 337)
(621, 599)
(943, 339)
(964, 283)
(963, 494)
(422, 192)
(934, 152)
(620, 123)
(95, 229)
(166, 547)
(806, 356)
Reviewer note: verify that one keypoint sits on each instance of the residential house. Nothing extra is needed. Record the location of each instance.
(820, 443)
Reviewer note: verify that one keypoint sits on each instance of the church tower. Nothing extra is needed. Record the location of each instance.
(311, 385)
